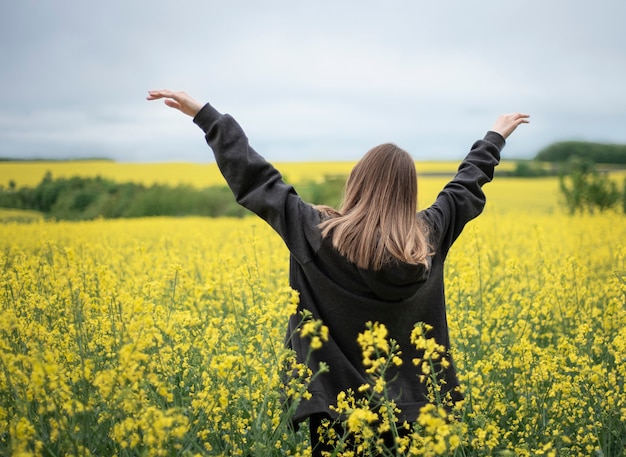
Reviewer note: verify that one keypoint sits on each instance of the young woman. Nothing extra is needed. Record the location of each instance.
(372, 260)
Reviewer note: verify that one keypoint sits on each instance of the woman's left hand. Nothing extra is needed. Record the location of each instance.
(507, 123)
(179, 100)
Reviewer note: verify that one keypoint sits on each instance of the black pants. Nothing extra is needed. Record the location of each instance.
(318, 447)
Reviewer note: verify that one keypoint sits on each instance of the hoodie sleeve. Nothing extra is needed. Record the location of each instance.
(463, 199)
(256, 184)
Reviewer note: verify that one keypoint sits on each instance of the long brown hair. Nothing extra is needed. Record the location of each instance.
(377, 224)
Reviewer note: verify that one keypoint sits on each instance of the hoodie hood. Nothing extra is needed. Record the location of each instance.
(397, 282)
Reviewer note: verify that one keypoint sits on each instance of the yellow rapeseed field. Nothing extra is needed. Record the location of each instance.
(164, 336)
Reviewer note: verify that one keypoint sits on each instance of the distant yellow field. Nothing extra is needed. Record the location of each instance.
(29, 174)
(505, 194)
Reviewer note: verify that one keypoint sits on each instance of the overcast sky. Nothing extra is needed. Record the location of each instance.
(316, 80)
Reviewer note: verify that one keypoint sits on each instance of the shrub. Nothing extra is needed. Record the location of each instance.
(528, 169)
(586, 189)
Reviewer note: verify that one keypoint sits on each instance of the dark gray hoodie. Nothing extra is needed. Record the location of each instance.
(335, 290)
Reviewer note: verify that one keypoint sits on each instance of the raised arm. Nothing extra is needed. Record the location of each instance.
(255, 183)
(462, 199)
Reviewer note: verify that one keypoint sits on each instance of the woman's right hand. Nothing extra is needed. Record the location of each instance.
(507, 123)
(179, 100)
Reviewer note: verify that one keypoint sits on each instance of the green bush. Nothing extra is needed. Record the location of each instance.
(586, 189)
(328, 192)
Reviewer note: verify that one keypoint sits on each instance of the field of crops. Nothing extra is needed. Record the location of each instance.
(165, 337)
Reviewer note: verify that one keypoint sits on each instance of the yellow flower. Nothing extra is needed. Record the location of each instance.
(360, 418)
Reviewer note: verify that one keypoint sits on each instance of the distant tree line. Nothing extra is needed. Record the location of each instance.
(594, 152)
(551, 160)
(88, 198)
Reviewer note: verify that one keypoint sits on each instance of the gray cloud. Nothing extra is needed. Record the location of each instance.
(323, 80)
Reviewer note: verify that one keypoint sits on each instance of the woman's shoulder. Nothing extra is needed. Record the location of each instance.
(326, 212)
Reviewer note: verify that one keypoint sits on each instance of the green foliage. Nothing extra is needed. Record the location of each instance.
(529, 169)
(586, 189)
(329, 192)
(87, 198)
(596, 152)
(624, 197)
